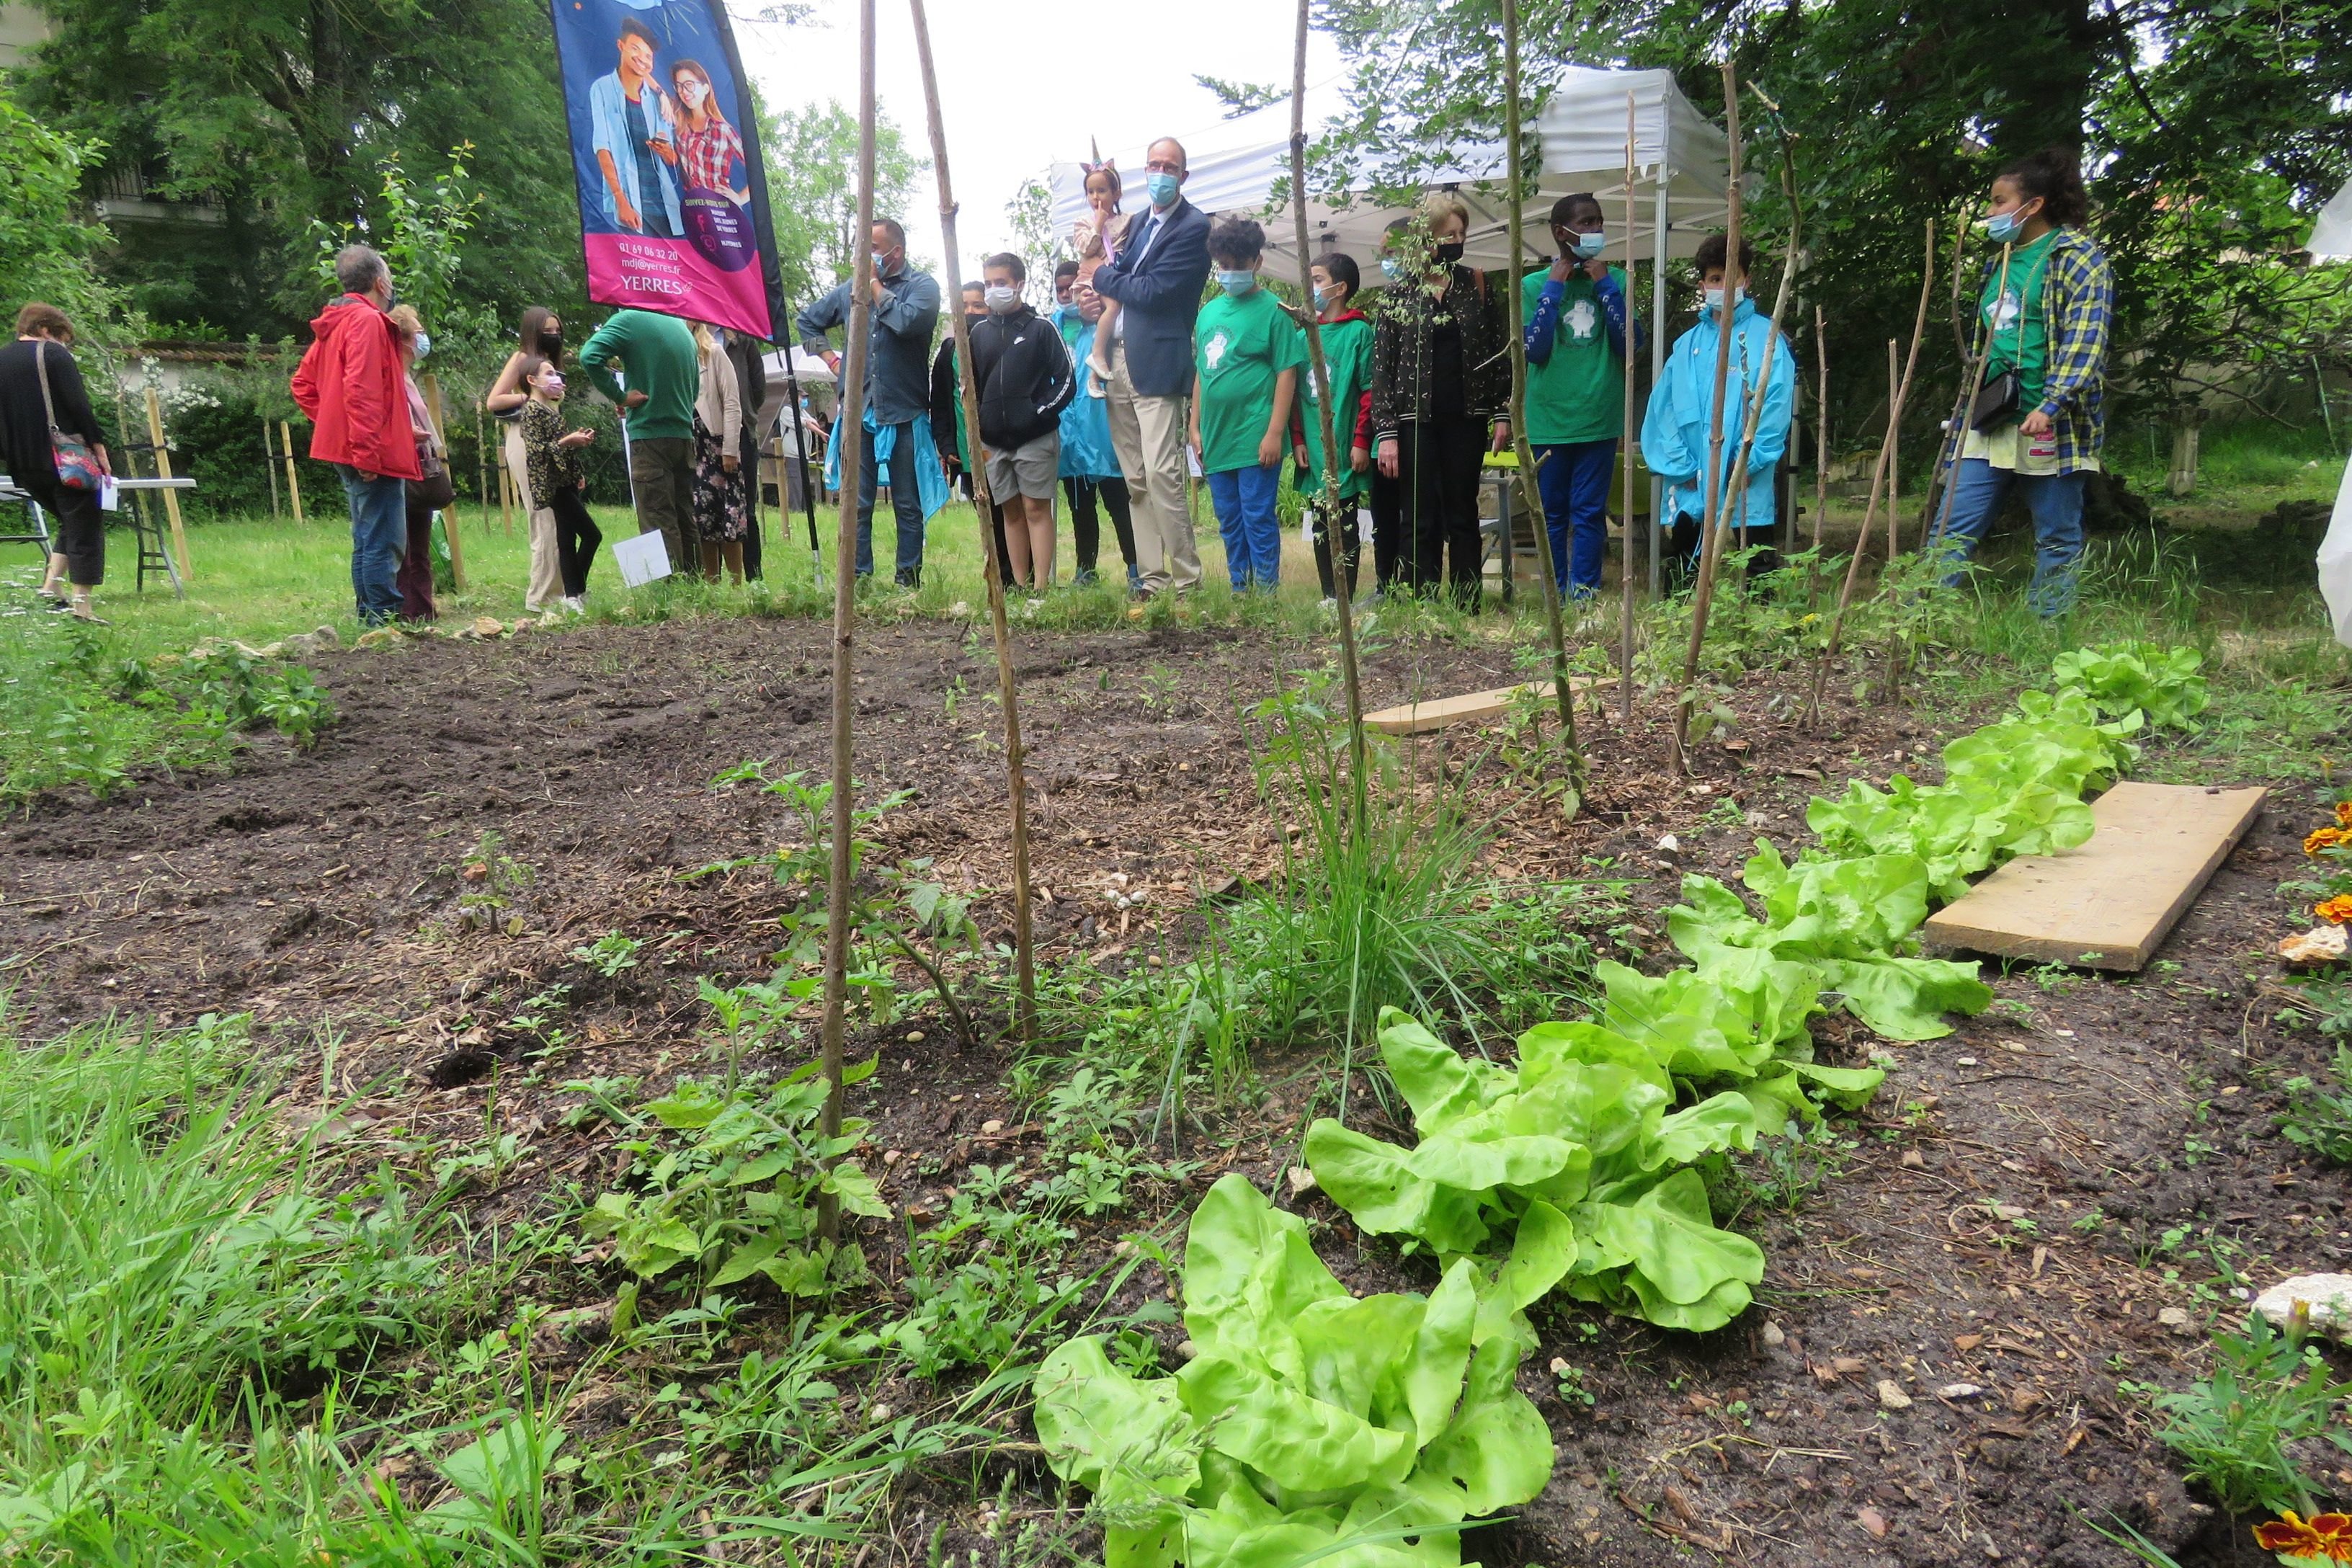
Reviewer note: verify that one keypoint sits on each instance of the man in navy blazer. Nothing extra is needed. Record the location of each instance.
(1157, 277)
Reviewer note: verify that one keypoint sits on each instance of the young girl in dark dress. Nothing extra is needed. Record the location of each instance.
(557, 478)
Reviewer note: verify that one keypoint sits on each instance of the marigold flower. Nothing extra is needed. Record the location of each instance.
(2320, 839)
(2325, 1536)
(2336, 910)
(2344, 814)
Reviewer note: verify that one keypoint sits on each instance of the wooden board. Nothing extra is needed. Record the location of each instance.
(2108, 903)
(1414, 718)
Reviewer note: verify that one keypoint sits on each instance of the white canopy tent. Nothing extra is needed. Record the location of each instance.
(2331, 237)
(1680, 159)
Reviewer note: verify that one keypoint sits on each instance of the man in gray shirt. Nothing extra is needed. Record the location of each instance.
(897, 387)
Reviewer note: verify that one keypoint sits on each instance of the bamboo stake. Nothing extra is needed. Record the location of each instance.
(1877, 481)
(1023, 951)
(1894, 451)
(1626, 436)
(432, 385)
(270, 467)
(845, 617)
(1531, 493)
(1320, 369)
(1711, 496)
(293, 485)
(163, 471)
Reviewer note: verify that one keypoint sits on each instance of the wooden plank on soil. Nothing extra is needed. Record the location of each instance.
(1470, 707)
(2108, 903)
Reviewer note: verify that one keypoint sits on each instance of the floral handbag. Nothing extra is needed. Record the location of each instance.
(77, 468)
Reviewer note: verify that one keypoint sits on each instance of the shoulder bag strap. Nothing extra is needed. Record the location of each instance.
(41, 367)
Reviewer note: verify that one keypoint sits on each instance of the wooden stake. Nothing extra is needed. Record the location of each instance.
(1530, 491)
(1319, 368)
(1024, 950)
(1894, 451)
(270, 467)
(844, 615)
(1626, 438)
(1711, 497)
(293, 485)
(1877, 482)
(1821, 451)
(432, 385)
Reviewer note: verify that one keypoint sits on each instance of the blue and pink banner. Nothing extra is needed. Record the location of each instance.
(673, 197)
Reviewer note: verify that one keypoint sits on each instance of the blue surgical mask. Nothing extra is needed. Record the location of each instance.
(424, 344)
(1391, 269)
(1236, 281)
(1162, 187)
(1589, 246)
(1322, 298)
(1714, 299)
(2002, 227)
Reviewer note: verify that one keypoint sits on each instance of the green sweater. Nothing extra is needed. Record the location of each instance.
(657, 352)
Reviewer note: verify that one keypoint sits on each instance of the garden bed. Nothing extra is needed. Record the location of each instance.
(1959, 1280)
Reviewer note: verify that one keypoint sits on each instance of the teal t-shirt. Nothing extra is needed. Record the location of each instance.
(1348, 355)
(1577, 394)
(1240, 346)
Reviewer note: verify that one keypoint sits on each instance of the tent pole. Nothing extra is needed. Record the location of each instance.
(1657, 363)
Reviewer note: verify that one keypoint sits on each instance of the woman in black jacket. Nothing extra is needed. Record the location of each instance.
(78, 536)
(1441, 382)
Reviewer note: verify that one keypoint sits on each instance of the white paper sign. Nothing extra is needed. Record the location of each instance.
(108, 498)
(642, 560)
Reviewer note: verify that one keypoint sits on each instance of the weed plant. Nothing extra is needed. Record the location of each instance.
(2247, 1431)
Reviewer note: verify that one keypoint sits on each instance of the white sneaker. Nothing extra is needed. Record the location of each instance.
(572, 606)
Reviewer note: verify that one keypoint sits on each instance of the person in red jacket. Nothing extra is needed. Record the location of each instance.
(350, 385)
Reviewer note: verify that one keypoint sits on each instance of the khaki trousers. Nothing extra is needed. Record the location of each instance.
(546, 585)
(1149, 434)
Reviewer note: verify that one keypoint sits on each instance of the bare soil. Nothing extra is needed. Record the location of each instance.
(320, 891)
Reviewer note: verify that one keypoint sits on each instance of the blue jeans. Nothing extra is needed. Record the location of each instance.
(1573, 479)
(905, 500)
(1247, 519)
(2056, 501)
(379, 537)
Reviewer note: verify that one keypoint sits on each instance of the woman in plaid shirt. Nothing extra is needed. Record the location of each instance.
(2047, 302)
(708, 149)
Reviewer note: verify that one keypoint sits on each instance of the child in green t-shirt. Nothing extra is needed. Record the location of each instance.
(1247, 354)
(1575, 315)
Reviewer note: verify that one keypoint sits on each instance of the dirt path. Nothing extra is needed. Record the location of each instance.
(1932, 1374)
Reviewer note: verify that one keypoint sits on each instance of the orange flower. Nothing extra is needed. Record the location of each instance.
(2336, 910)
(2325, 1537)
(2321, 838)
(2344, 814)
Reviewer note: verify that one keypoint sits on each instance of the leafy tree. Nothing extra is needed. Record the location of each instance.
(46, 243)
(811, 157)
(280, 113)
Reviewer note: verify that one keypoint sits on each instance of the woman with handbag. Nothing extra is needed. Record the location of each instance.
(424, 496)
(50, 439)
(2039, 417)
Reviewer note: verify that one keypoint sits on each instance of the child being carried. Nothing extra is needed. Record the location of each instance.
(1096, 239)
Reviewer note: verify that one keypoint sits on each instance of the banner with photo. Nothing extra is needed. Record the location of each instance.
(666, 153)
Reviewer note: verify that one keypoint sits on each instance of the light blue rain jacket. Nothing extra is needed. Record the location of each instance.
(1682, 406)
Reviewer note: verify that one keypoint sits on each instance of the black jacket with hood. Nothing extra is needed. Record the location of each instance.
(1025, 377)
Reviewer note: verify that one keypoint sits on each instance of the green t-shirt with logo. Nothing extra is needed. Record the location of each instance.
(1577, 394)
(1240, 346)
(1347, 354)
(2014, 315)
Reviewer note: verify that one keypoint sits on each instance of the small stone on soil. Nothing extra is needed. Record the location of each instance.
(1872, 1520)
(1891, 1394)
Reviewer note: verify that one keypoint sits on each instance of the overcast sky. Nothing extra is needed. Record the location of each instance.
(1024, 84)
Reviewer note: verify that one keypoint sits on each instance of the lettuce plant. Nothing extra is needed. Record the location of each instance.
(2163, 683)
(1310, 1424)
